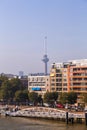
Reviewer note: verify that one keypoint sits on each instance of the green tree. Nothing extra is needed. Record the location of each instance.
(70, 98)
(54, 96)
(10, 87)
(4, 96)
(50, 97)
(18, 96)
(63, 98)
(21, 96)
(40, 100)
(84, 98)
(2, 79)
(33, 97)
(25, 93)
(16, 84)
(5, 91)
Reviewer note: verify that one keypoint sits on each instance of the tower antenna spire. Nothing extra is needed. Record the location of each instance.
(45, 44)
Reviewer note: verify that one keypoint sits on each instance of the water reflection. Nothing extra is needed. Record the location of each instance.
(12, 123)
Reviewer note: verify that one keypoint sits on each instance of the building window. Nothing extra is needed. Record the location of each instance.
(64, 89)
(65, 80)
(58, 80)
(58, 84)
(58, 75)
(58, 71)
(53, 80)
(32, 79)
(58, 89)
(52, 88)
(65, 70)
(52, 84)
(65, 84)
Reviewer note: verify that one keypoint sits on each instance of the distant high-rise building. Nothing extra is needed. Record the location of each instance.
(21, 73)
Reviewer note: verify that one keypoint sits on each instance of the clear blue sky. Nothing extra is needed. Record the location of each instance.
(25, 23)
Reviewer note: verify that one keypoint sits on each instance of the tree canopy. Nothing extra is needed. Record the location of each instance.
(12, 89)
(70, 97)
(33, 97)
(50, 96)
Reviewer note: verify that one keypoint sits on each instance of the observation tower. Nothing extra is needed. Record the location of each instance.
(45, 57)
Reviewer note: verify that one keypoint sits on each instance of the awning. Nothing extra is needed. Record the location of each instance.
(36, 89)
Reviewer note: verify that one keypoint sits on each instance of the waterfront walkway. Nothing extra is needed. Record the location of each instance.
(44, 112)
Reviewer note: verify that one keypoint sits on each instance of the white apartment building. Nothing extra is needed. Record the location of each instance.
(38, 83)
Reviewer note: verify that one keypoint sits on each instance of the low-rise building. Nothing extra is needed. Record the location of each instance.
(38, 83)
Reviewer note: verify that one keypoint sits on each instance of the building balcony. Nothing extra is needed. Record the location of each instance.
(79, 86)
(80, 91)
(79, 72)
(78, 76)
(78, 81)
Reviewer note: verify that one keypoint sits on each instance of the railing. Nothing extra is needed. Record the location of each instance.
(46, 113)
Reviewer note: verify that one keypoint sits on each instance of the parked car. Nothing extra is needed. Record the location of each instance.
(31, 104)
(59, 105)
(67, 106)
(46, 105)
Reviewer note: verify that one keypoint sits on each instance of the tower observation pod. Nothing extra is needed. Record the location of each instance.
(45, 58)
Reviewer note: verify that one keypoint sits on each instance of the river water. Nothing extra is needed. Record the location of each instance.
(16, 123)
